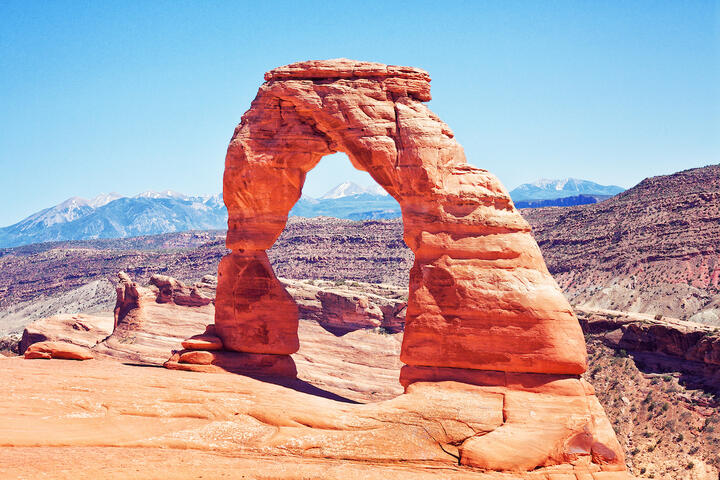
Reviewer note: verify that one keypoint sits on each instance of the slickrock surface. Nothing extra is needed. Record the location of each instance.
(652, 249)
(480, 295)
(100, 406)
(356, 362)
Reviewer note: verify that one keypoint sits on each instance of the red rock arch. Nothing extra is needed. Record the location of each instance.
(480, 298)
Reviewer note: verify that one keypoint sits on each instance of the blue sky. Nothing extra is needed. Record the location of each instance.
(132, 96)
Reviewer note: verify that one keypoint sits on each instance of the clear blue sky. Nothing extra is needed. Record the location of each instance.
(132, 96)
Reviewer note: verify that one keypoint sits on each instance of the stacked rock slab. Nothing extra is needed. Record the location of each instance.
(483, 308)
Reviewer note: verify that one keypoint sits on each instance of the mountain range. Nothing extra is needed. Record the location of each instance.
(149, 213)
(545, 189)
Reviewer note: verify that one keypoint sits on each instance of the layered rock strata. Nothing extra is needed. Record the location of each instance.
(151, 320)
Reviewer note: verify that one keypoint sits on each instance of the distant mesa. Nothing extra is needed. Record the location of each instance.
(562, 202)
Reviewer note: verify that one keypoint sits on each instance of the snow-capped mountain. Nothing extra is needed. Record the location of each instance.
(163, 194)
(150, 213)
(546, 189)
(114, 216)
(347, 189)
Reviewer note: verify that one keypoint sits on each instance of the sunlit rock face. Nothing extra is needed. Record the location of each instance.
(480, 294)
(482, 308)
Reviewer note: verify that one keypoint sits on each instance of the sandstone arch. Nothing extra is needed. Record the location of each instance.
(492, 349)
(480, 295)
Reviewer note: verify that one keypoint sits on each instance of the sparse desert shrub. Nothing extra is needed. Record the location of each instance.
(621, 353)
(690, 465)
(658, 317)
(667, 378)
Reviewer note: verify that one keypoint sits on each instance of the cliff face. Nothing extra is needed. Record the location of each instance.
(651, 249)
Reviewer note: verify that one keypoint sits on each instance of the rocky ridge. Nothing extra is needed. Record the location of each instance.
(651, 249)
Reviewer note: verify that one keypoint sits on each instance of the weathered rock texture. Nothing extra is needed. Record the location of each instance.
(660, 344)
(480, 294)
(482, 307)
(102, 419)
(150, 321)
(79, 329)
(342, 308)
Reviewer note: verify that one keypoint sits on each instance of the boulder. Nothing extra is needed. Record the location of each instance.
(58, 350)
(346, 307)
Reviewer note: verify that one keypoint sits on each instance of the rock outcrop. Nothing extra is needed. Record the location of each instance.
(342, 308)
(79, 329)
(660, 344)
(150, 321)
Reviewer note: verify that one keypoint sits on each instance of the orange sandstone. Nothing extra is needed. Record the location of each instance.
(486, 326)
(480, 295)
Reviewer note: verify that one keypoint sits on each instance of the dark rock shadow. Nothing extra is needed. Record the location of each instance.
(303, 387)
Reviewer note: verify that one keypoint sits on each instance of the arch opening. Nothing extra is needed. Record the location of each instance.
(342, 259)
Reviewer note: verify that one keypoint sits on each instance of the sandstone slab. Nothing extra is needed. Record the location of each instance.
(203, 342)
(428, 429)
(57, 350)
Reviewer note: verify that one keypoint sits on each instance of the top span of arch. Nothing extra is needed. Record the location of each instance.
(406, 81)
